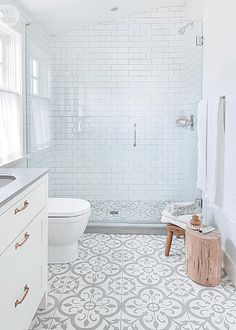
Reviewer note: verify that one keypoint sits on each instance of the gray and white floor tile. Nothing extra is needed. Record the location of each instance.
(132, 212)
(124, 282)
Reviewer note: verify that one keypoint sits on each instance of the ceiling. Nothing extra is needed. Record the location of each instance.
(63, 15)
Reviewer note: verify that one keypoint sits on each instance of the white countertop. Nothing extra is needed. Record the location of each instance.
(24, 178)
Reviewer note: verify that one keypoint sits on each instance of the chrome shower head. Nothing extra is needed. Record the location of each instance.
(184, 28)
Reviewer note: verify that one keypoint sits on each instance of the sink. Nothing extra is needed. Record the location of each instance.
(5, 180)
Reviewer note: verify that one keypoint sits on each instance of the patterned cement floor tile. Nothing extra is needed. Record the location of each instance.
(43, 318)
(124, 282)
(91, 309)
(209, 308)
(133, 212)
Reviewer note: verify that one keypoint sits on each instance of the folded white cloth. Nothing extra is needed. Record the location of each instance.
(182, 218)
(202, 144)
(173, 222)
(181, 208)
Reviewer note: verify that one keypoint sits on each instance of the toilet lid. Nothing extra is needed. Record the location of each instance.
(67, 207)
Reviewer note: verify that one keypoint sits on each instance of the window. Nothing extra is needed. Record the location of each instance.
(35, 77)
(38, 100)
(1, 61)
(39, 73)
(11, 129)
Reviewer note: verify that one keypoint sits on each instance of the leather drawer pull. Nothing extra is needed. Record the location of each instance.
(26, 237)
(26, 291)
(26, 204)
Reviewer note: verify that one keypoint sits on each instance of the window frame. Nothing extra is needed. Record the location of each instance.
(34, 77)
(43, 65)
(43, 95)
(16, 33)
(3, 57)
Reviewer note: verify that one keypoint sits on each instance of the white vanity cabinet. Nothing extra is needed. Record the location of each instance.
(23, 256)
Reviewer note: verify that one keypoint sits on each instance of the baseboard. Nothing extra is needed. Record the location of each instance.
(126, 229)
(229, 267)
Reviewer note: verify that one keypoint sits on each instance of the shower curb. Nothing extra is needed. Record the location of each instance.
(120, 228)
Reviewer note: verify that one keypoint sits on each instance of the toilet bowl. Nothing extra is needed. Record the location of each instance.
(67, 220)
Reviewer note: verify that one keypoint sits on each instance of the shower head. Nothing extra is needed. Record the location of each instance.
(184, 28)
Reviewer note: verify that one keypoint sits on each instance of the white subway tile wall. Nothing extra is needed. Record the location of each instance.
(108, 77)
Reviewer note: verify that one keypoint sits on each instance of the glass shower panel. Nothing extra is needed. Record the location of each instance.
(113, 134)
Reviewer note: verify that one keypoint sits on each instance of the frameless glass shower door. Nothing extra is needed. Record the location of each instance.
(117, 90)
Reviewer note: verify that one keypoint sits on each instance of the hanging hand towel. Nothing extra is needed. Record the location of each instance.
(220, 154)
(230, 159)
(215, 151)
(202, 145)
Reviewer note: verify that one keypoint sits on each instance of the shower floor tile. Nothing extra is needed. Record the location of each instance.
(129, 212)
(124, 282)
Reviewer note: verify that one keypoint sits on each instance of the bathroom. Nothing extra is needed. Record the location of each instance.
(118, 115)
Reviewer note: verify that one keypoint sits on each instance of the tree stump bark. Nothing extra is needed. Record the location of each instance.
(203, 257)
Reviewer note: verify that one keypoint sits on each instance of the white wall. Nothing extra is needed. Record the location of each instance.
(220, 79)
(194, 10)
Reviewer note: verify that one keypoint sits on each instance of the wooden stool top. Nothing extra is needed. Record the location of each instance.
(211, 236)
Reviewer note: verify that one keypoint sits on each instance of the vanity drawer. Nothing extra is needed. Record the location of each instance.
(18, 216)
(26, 299)
(16, 262)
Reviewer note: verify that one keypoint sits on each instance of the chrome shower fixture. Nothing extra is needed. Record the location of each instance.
(185, 122)
(184, 28)
(135, 135)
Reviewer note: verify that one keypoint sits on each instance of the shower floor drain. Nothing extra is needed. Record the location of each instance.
(114, 212)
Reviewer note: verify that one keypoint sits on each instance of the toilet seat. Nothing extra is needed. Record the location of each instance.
(67, 207)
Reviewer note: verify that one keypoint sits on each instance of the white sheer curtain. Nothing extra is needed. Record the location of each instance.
(10, 130)
(39, 101)
(40, 122)
(11, 133)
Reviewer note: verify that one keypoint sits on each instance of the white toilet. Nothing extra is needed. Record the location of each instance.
(67, 220)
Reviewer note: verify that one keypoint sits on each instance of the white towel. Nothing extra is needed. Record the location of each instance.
(215, 151)
(220, 154)
(202, 144)
(230, 159)
(173, 222)
(182, 218)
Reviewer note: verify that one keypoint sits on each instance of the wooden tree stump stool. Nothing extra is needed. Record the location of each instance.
(171, 230)
(203, 257)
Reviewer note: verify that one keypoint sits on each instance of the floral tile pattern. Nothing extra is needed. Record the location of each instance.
(124, 282)
(148, 212)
